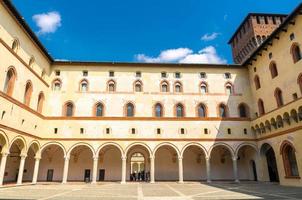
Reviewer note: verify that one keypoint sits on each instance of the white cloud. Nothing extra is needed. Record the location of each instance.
(47, 22)
(209, 37)
(208, 55)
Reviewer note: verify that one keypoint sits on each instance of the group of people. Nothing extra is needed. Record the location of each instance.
(140, 176)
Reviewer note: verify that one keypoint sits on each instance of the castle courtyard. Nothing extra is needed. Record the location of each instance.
(146, 191)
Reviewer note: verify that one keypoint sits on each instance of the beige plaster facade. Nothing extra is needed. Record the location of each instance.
(43, 139)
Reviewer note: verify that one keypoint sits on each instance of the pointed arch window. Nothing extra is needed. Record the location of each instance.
(229, 89)
(179, 110)
(56, 85)
(279, 97)
(201, 110)
(299, 81)
(111, 86)
(296, 52)
(41, 99)
(138, 86)
(84, 86)
(273, 69)
(10, 82)
(69, 109)
(164, 87)
(289, 160)
(129, 110)
(178, 87)
(28, 93)
(203, 88)
(243, 110)
(158, 110)
(261, 108)
(99, 110)
(223, 110)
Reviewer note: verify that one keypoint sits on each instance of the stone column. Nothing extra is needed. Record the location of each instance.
(65, 170)
(152, 169)
(124, 164)
(208, 168)
(21, 169)
(235, 169)
(95, 169)
(180, 170)
(2, 167)
(36, 170)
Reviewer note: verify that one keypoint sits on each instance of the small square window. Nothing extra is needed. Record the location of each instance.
(58, 72)
(182, 131)
(138, 74)
(292, 36)
(270, 55)
(205, 131)
(158, 131)
(255, 69)
(245, 131)
(295, 96)
(229, 131)
(133, 131)
(85, 73)
(111, 74)
(177, 74)
(164, 75)
(227, 75)
(82, 130)
(55, 130)
(107, 130)
(203, 75)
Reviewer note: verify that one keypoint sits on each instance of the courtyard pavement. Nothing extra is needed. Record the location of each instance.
(157, 191)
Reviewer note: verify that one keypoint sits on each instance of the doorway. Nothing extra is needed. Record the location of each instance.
(49, 177)
(101, 174)
(253, 164)
(272, 165)
(137, 167)
(87, 175)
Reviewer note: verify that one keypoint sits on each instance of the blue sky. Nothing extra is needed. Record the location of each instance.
(142, 30)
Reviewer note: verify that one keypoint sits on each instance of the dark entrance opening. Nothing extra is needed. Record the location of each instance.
(254, 170)
(272, 165)
(49, 177)
(87, 175)
(101, 174)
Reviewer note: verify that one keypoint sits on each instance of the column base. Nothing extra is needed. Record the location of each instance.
(209, 181)
(123, 182)
(237, 181)
(180, 182)
(152, 182)
(93, 182)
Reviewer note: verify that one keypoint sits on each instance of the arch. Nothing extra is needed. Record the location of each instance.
(257, 82)
(294, 115)
(288, 152)
(284, 144)
(129, 109)
(138, 144)
(164, 86)
(221, 144)
(68, 109)
(296, 52)
(56, 84)
(178, 88)
(109, 144)
(204, 88)
(138, 86)
(201, 110)
(28, 92)
(98, 109)
(22, 139)
(80, 144)
(268, 125)
(194, 144)
(10, 80)
(229, 88)
(36, 146)
(40, 104)
(278, 97)
(166, 144)
(111, 86)
(245, 144)
(179, 110)
(273, 69)
(279, 121)
(84, 85)
(243, 110)
(158, 110)
(261, 108)
(299, 81)
(222, 110)
(5, 147)
(286, 118)
(43, 147)
(15, 45)
(31, 61)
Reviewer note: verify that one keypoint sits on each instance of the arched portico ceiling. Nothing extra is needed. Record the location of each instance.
(201, 147)
(109, 144)
(21, 144)
(242, 145)
(4, 142)
(221, 144)
(265, 146)
(59, 145)
(35, 146)
(79, 145)
(138, 144)
(167, 144)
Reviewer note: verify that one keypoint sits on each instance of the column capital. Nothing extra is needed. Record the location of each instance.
(207, 158)
(152, 157)
(235, 158)
(38, 158)
(67, 158)
(180, 157)
(5, 154)
(96, 158)
(23, 156)
(124, 157)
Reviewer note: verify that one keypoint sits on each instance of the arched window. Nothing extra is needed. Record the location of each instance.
(15, 45)
(261, 107)
(257, 82)
(41, 99)
(129, 110)
(84, 86)
(99, 110)
(273, 69)
(158, 110)
(289, 160)
(223, 110)
(56, 85)
(27, 93)
(201, 110)
(179, 110)
(164, 86)
(203, 88)
(299, 81)
(68, 109)
(111, 86)
(278, 96)
(10, 82)
(229, 89)
(177, 87)
(138, 86)
(296, 52)
(243, 110)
